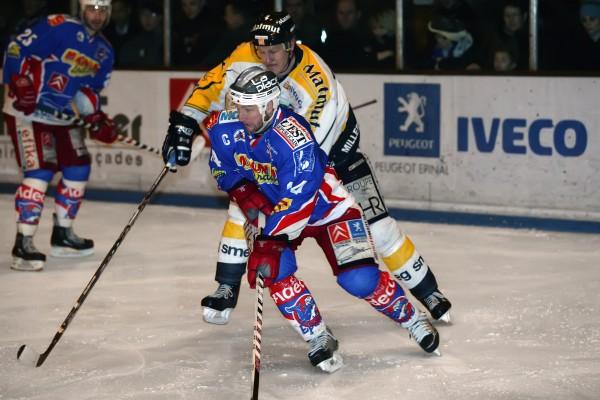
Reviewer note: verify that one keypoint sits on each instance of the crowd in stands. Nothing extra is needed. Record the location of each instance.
(351, 35)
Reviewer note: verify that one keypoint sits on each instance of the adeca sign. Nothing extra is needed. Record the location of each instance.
(544, 137)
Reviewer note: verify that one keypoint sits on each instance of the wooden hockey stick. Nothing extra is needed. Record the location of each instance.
(29, 356)
(257, 340)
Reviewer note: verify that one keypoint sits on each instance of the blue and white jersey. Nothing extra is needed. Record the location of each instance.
(287, 165)
(61, 58)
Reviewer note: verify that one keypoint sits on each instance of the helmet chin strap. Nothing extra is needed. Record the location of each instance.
(263, 112)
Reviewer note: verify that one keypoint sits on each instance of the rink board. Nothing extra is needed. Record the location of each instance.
(520, 146)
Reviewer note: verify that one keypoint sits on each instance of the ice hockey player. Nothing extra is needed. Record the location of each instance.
(56, 62)
(269, 160)
(310, 89)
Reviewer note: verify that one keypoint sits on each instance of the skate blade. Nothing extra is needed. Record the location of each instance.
(331, 364)
(20, 264)
(67, 252)
(446, 318)
(216, 317)
(436, 352)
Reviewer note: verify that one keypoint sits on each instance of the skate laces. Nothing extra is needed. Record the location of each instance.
(420, 328)
(28, 245)
(321, 342)
(433, 299)
(73, 237)
(223, 291)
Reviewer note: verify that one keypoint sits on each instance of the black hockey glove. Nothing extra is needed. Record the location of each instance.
(181, 133)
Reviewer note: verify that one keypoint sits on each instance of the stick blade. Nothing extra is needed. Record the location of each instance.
(28, 356)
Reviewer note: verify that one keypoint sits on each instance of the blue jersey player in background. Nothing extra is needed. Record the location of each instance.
(268, 160)
(59, 64)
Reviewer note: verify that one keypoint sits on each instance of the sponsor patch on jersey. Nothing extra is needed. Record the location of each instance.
(263, 172)
(349, 240)
(294, 134)
(58, 82)
(239, 135)
(14, 50)
(56, 19)
(304, 159)
(81, 65)
(102, 53)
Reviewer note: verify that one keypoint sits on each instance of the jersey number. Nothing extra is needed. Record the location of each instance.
(27, 37)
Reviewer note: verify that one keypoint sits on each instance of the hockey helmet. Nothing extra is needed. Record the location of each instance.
(96, 4)
(273, 28)
(256, 86)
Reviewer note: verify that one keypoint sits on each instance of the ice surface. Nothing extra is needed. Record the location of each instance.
(526, 318)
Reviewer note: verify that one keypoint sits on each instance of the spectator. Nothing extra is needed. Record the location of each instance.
(308, 30)
(238, 16)
(514, 30)
(589, 57)
(453, 49)
(146, 48)
(381, 41)
(505, 58)
(459, 10)
(195, 32)
(122, 26)
(344, 45)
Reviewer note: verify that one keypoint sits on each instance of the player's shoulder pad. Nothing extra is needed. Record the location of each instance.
(244, 53)
(293, 130)
(228, 131)
(60, 19)
(220, 117)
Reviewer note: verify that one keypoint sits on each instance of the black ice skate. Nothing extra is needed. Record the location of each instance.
(423, 332)
(438, 306)
(65, 243)
(323, 352)
(25, 256)
(218, 306)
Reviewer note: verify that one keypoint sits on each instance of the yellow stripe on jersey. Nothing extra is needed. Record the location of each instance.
(397, 259)
(232, 230)
(211, 88)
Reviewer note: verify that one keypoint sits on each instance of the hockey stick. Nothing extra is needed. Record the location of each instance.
(81, 123)
(256, 343)
(368, 103)
(29, 356)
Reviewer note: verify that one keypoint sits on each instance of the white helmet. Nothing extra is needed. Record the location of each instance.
(96, 4)
(256, 86)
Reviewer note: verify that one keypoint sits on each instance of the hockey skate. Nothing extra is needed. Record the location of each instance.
(218, 306)
(423, 332)
(65, 243)
(25, 256)
(438, 306)
(323, 352)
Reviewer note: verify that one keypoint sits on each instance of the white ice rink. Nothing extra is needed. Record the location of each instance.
(526, 318)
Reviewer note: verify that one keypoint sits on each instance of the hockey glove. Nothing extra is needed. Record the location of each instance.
(103, 128)
(251, 201)
(265, 257)
(22, 88)
(180, 134)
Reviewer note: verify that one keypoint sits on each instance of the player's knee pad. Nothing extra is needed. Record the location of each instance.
(78, 173)
(387, 236)
(29, 203)
(359, 282)
(399, 254)
(296, 303)
(359, 180)
(235, 214)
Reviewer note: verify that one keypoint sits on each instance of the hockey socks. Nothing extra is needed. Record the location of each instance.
(298, 307)
(389, 299)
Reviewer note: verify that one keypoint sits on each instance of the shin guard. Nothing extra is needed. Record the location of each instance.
(297, 305)
(29, 203)
(69, 195)
(389, 299)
